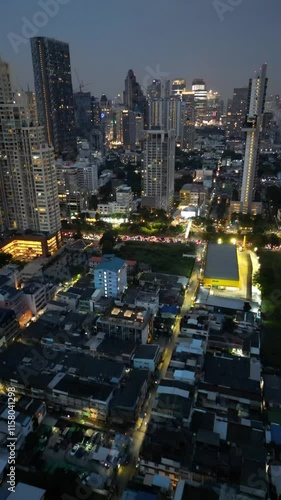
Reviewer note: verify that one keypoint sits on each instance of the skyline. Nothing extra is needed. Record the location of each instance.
(106, 31)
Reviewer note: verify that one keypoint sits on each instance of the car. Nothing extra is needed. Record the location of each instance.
(74, 449)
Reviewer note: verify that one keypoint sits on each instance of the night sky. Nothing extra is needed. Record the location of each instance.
(179, 38)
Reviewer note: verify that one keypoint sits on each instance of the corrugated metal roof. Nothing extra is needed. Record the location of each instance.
(221, 262)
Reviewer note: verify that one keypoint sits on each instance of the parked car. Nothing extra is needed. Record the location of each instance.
(74, 449)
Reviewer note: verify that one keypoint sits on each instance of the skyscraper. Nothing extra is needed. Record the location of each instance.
(157, 111)
(253, 128)
(27, 100)
(178, 86)
(188, 116)
(158, 169)
(54, 93)
(129, 129)
(83, 112)
(200, 91)
(236, 112)
(173, 115)
(29, 193)
(158, 88)
(133, 96)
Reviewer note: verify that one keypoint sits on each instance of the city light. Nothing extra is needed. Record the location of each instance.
(219, 241)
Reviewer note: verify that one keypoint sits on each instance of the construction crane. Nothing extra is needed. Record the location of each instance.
(82, 85)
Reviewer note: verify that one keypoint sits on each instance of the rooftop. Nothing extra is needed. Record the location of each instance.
(116, 347)
(231, 372)
(110, 263)
(26, 492)
(221, 262)
(127, 396)
(195, 188)
(71, 385)
(129, 315)
(146, 351)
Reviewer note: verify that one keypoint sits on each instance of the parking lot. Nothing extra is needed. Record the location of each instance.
(96, 455)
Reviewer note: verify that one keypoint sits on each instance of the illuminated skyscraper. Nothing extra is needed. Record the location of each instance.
(54, 93)
(133, 96)
(236, 112)
(253, 128)
(200, 92)
(178, 86)
(29, 192)
(158, 169)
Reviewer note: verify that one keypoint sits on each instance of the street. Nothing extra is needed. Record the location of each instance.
(126, 473)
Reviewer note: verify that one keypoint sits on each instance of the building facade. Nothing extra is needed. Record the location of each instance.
(29, 192)
(200, 94)
(54, 93)
(253, 128)
(236, 112)
(110, 276)
(83, 112)
(158, 169)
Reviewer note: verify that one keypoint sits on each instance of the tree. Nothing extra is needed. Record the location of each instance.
(77, 235)
(93, 203)
(5, 258)
(274, 240)
(107, 242)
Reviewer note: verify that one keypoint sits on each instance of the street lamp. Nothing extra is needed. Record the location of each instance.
(233, 241)
(219, 241)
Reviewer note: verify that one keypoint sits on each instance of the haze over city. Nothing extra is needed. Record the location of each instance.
(185, 39)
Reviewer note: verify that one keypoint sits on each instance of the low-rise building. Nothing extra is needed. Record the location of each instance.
(231, 383)
(147, 357)
(13, 299)
(36, 296)
(124, 196)
(174, 401)
(124, 323)
(25, 491)
(128, 400)
(110, 276)
(9, 275)
(192, 195)
(70, 299)
(9, 326)
(81, 397)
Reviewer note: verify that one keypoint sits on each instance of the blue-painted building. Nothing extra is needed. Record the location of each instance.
(110, 276)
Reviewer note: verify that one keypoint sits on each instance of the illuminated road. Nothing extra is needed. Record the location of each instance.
(126, 473)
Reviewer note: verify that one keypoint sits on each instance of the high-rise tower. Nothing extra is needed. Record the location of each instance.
(200, 94)
(133, 96)
(28, 185)
(253, 128)
(158, 169)
(54, 93)
(236, 112)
